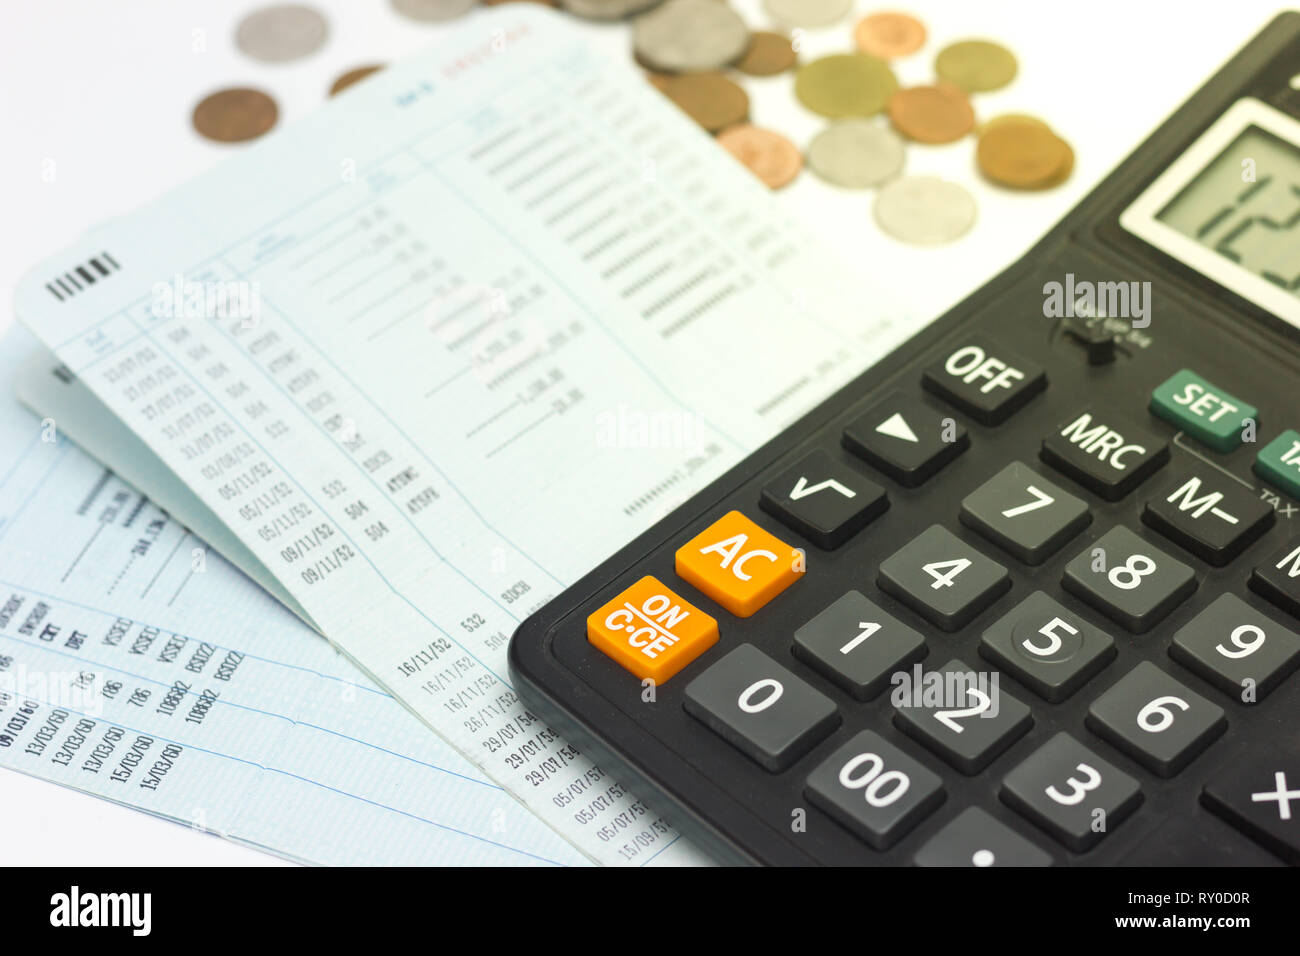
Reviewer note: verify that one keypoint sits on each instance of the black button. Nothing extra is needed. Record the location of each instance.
(1024, 513)
(942, 578)
(969, 723)
(1156, 720)
(1105, 452)
(1278, 578)
(1212, 517)
(857, 645)
(976, 838)
(1128, 580)
(985, 380)
(1237, 649)
(1259, 794)
(905, 439)
(825, 501)
(1063, 785)
(1048, 648)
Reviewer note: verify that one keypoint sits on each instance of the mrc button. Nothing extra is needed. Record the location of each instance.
(1208, 414)
(650, 631)
(1105, 452)
(984, 380)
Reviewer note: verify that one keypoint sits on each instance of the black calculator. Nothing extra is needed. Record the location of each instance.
(1024, 593)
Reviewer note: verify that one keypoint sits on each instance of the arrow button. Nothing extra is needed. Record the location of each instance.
(895, 426)
(905, 439)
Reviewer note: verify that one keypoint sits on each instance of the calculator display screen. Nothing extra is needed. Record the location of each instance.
(1229, 207)
(1245, 206)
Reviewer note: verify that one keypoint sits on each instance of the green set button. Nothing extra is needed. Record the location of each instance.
(1208, 414)
(1278, 462)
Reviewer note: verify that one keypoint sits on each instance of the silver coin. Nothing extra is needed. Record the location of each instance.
(433, 11)
(808, 13)
(856, 153)
(690, 36)
(281, 33)
(924, 210)
(607, 9)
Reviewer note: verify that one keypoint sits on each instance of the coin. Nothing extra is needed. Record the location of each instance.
(808, 13)
(690, 36)
(768, 54)
(235, 115)
(889, 35)
(770, 156)
(856, 153)
(281, 33)
(545, 3)
(710, 99)
(433, 11)
(606, 9)
(352, 76)
(845, 84)
(924, 210)
(1022, 152)
(976, 65)
(932, 114)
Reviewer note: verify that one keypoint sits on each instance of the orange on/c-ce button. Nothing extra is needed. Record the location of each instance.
(650, 631)
(738, 564)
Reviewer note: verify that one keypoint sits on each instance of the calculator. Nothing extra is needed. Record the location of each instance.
(1024, 593)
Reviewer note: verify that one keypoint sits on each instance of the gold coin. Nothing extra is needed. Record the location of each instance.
(353, 76)
(976, 65)
(932, 114)
(889, 35)
(845, 84)
(1023, 153)
(770, 156)
(235, 115)
(710, 99)
(768, 54)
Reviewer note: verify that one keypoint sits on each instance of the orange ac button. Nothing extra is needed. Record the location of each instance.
(738, 564)
(650, 631)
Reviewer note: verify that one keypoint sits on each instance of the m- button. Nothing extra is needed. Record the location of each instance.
(650, 631)
(738, 564)
(984, 380)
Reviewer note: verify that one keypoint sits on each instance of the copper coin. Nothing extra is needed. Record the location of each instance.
(768, 54)
(889, 35)
(932, 114)
(353, 76)
(710, 99)
(235, 115)
(1023, 153)
(770, 156)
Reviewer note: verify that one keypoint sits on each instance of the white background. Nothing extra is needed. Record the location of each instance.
(100, 92)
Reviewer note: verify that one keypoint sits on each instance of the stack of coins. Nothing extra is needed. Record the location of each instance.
(698, 54)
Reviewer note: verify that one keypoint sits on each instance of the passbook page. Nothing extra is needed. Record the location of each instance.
(437, 349)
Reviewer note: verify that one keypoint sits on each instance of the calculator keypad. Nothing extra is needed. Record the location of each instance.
(968, 721)
(1049, 649)
(1234, 647)
(858, 645)
(942, 578)
(823, 500)
(1128, 580)
(1070, 792)
(761, 708)
(1156, 720)
(873, 789)
(1024, 514)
